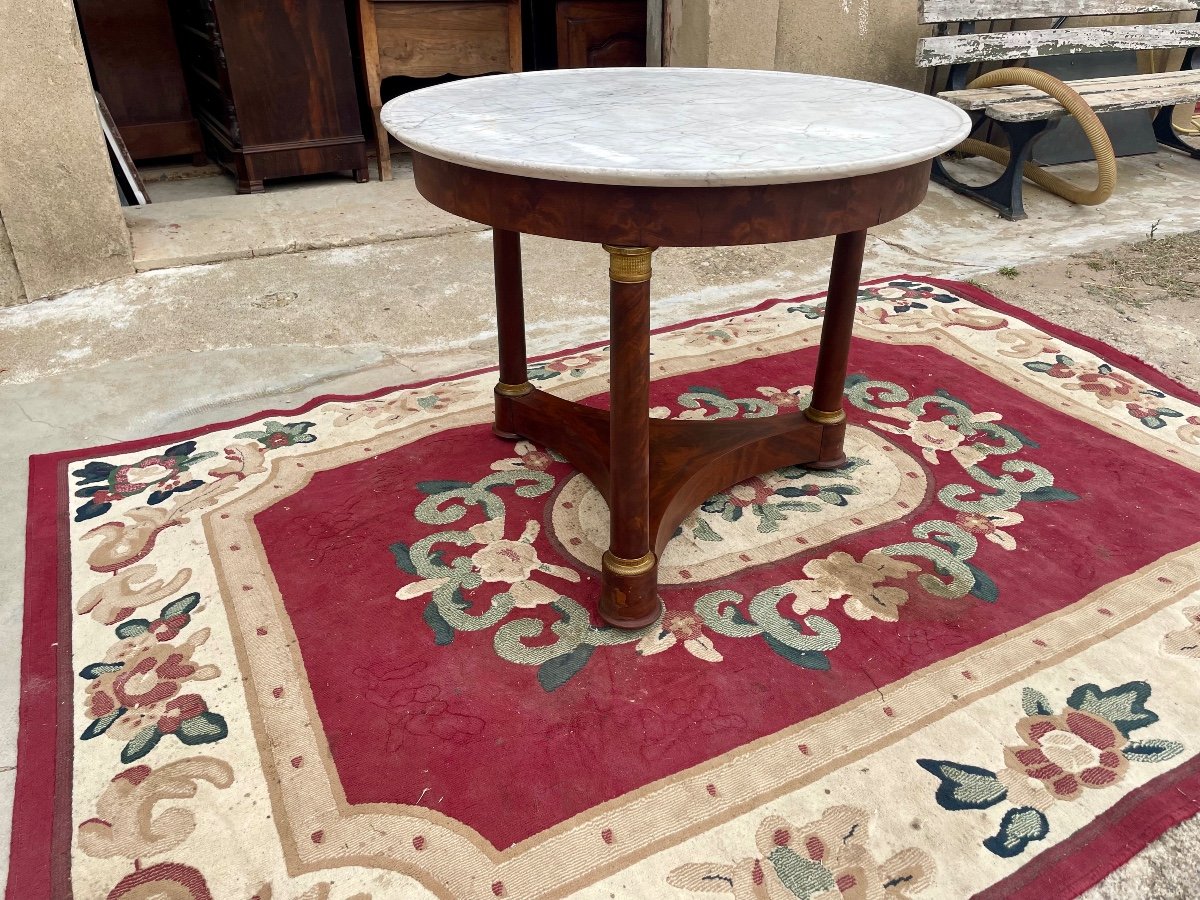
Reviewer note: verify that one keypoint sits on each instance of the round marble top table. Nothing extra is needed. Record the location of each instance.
(637, 159)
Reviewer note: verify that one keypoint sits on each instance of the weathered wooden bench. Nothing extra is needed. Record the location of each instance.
(1024, 113)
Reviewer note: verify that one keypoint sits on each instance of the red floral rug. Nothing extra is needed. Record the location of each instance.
(350, 651)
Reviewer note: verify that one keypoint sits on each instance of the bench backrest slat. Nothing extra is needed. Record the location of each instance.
(933, 11)
(1001, 45)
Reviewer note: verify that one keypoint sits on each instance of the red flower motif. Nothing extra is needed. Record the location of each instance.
(750, 492)
(278, 439)
(683, 625)
(152, 680)
(100, 703)
(1141, 412)
(1060, 370)
(168, 629)
(1109, 386)
(1069, 752)
(574, 363)
(179, 710)
(133, 478)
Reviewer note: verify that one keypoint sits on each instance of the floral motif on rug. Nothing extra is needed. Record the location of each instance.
(352, 651)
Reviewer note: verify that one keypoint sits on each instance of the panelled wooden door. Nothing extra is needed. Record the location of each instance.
(595, 33)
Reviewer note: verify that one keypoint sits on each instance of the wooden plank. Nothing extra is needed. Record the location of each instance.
(980, 98)
(931, 11)
(1146, 98)
(1001, 45)
(1020, 103)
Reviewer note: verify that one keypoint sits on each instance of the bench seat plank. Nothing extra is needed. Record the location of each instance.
(1021, 103)
(1002, 45)
(932, 11)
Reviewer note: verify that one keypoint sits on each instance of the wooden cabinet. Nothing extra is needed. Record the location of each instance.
(427, 38)
(272, 84)
(600, 33)
(137, 71)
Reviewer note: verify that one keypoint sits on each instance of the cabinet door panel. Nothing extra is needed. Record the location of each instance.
(593, 33)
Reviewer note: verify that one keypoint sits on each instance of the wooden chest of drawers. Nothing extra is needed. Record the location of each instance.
(272, 84)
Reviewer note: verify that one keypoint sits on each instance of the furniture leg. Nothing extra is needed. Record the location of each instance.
(829, 382)
(1164, 133)
(371, 74)
(1005, 193)
(629, 571)
(510, 328)
(515, 61)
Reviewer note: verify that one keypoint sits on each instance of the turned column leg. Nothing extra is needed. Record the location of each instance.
(829, 383)
(629, 571)
(510, 322)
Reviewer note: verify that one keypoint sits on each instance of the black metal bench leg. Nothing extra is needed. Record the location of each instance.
(1165, 133)
(1003, 194)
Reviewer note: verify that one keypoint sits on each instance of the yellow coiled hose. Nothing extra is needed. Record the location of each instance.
(1106, 160)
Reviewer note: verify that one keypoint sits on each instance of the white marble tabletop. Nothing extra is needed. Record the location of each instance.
(678, 127)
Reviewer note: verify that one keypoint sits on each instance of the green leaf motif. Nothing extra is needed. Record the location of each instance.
(557, 671)
(1152, 750)
(1018, 829)
(95, 670)
(437, 487)
(141, 744)
(182, 606)
(800, 875)
(963, 786)
(132, 628)
(202, 729)
(983, 588)
(808, 659)
(98, 726)
(443, 632)
(403, 558)
(1049, 493)
(1124, 706)
(1035, 703)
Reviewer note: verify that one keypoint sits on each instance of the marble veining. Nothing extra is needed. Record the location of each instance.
(678, 127)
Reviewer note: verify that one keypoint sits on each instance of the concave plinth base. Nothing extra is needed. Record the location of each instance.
(689, 462)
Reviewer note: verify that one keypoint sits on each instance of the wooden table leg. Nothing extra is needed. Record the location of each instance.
(629, 571)
(510, 327)
(829, 382)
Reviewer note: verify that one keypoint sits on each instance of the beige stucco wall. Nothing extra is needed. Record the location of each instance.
(58, 200)
(873, 40)
(11, 289)
(870, 39)
(736, 34)
(742, 33)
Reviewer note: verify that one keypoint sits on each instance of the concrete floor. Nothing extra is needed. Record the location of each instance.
(346, 288)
